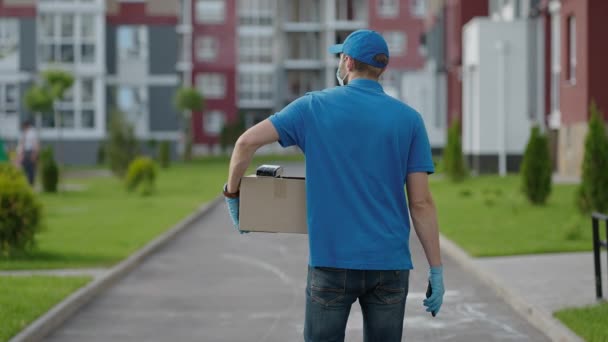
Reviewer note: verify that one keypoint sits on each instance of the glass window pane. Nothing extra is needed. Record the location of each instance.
(47, 53)
(88, 119)
(132, 42)
(87, 53)
(11, 96)
(210, 11)
(67, 118)
(47, 25)
(67, 25)
(48, 120)
(213, 122)
(88, 91)
(88, 26)
(67, 53)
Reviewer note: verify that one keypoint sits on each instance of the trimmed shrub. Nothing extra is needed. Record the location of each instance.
(12, 173)
(49, 172)
(164, 154)
(20, 212)
(593, 193)
(231, 132)
(141, 176)
(121, 146)
(536, 168)
(453, 158)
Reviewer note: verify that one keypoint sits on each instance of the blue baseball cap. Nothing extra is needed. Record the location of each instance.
(363, 45)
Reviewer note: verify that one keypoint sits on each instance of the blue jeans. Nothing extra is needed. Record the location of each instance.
(330, 292)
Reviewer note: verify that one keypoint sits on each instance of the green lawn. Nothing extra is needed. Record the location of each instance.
(591, 322)
(23, 299)
(103, 224)
(489, 216)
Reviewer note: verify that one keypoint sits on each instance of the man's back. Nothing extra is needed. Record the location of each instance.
(359, 145)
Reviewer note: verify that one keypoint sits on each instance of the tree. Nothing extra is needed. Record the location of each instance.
(38, 100)
(42, 98)
(593, 192)
(188, 100)
(536, 168)
(453, 158)
(121, 146)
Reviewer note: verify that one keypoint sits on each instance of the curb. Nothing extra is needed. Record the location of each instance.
(52, 319)
(539, 318)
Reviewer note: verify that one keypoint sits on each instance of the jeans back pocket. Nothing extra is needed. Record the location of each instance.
(393, 286)
(327, 285)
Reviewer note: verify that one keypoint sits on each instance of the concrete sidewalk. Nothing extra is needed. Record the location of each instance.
(550, 282)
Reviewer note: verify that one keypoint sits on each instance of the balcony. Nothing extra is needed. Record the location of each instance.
(303, 64)
(302, 27)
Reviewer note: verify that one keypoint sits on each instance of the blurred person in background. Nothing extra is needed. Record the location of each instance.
(27, 151)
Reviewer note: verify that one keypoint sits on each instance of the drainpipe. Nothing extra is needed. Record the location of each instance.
(501, 48)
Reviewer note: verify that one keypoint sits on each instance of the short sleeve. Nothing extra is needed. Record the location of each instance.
(289, 122)
(420, 157)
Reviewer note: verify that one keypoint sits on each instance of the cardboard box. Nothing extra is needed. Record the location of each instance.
(273, 205)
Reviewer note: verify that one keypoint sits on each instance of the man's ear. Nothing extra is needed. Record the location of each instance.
(350, 64)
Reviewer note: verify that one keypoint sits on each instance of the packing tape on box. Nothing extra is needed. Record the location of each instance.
(280, 188)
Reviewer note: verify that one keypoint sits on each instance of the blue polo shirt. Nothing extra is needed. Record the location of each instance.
(360, 144)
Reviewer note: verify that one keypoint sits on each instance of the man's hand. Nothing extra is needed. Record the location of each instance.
(233, 210)
(433, 303)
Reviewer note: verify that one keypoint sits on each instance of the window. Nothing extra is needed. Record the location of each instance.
(213, 122)
(206, 48)
(66, 38)
(303, 11)
(388, 8)
(132, 42)
(256, 12)
(256, 49)
(256, 86)
(210, 11)
(345, 10)
(9, 99)
(9, 40)
(418, 8)
(132, 102)
(572, 49)
(87, 34)
(397, 42)
(211, 85)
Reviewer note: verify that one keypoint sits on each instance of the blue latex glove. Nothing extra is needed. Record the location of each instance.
(233, 210)
(433, 303)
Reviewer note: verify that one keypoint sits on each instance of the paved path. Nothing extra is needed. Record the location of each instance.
(212, 284)
(551, 281)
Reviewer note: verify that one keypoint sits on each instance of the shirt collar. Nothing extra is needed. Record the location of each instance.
(364, 83)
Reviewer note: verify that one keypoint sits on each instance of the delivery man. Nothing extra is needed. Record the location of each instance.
(361, 146)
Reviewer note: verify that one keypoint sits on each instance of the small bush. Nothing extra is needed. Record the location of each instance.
(593, 194)
(536, 168)
(20, 212)
(231, 132)
(121, 146)
(49, 172)
(453, 161)
(141, 176)
(164, 154)
(12, 173)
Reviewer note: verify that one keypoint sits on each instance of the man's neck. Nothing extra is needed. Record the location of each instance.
(359, 77)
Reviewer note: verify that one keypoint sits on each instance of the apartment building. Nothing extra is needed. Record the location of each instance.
(281, 49)
(122, 55)
(578, 75)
